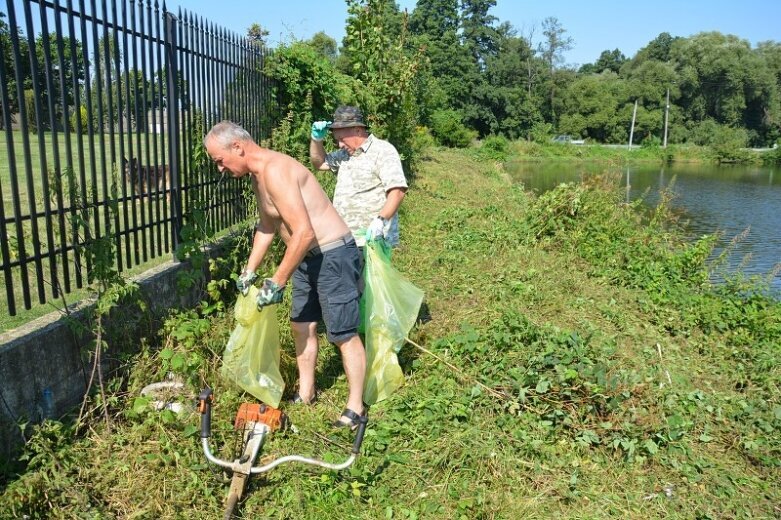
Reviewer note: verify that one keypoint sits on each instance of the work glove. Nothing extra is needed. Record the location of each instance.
(269, 294)
(319, 129)
(244, 281)
(376, 229)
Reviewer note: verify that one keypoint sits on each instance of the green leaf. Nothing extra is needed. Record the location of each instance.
(651, 447)
(178, 361)
(140, 404)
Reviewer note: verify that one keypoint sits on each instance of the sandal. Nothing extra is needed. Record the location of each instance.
(297, 399)
(354, 419)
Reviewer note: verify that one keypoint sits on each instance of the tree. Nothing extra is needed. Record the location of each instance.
(552, 51)
(442, 83)
(477, 28)
(376, 46)
(657, 49)
(435, 18)
(514, 110)
(721, 78)
(324, 45)
(594, 106)
(257, 35)
(555, 44)
(610, 60)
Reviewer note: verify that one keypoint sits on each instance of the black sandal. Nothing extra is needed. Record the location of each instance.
(354, 421)
(296, 399)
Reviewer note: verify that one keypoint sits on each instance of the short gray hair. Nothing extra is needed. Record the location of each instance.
(225, 133)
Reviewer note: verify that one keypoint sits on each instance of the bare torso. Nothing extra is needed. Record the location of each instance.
(276, 167)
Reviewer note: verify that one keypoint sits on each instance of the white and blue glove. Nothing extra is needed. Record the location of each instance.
(244, 281)
(376, 229)
(319, 129)
(269, 294)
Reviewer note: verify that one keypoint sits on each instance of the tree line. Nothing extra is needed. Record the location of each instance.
(77, 88)
(451, 71)
(454, 70)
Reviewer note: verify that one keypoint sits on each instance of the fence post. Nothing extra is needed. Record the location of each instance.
(172, 124)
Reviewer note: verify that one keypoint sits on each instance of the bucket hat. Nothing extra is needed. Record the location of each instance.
(347, 117)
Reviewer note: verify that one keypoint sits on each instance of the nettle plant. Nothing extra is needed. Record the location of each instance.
(558, 383)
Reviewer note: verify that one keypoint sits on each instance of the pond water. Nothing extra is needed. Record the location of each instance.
(739, 201)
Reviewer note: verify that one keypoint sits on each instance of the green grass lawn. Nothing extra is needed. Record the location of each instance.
(621, 385)
(95, 153)
(30, 183)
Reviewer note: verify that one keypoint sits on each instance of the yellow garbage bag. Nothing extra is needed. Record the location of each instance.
(389, 310)
(251, 358)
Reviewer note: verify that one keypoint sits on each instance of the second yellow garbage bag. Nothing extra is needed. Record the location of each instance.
(390, 309)
(251, 358)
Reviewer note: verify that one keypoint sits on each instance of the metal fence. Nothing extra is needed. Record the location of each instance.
(103, 110)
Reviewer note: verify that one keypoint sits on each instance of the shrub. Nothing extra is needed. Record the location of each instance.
(774, 156)
(29, 102)
(449, 130)
(495, 148)
(541, 132)
(79, 116)
(422, 141)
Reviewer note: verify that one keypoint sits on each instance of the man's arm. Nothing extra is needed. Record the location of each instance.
(285, 193)
(317, 155)
(392, 203)
(261, 241)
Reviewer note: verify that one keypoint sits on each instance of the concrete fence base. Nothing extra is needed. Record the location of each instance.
(46, 353)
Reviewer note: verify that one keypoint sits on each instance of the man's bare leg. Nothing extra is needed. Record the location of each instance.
(305, 336)
(354, 361)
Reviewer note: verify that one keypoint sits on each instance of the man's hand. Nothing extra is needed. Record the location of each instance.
(269, 294)
(244, 281)
(376, 229)
(319, 129)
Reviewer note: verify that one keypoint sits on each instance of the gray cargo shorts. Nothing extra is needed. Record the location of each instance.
(328, 285)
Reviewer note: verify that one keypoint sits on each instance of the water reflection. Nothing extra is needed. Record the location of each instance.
(736, 200)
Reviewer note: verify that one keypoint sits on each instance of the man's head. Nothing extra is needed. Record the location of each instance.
(225, 143)
(348, 127)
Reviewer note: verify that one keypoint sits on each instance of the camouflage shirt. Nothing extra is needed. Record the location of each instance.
(362, 181)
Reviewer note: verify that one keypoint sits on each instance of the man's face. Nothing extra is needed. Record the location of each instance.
(349, 138)
(229, 158)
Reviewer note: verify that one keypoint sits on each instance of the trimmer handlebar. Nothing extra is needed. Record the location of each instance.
(362, 422)
(205, 400)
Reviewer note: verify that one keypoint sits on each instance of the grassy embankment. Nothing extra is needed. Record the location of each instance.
(598, 376)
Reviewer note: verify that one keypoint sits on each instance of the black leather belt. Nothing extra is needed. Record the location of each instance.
(339, 242)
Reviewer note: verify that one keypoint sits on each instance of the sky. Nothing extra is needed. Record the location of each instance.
(594, 25)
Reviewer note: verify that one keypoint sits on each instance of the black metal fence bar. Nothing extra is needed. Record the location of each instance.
(104, 105)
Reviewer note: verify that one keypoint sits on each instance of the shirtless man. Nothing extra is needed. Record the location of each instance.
(320, 257)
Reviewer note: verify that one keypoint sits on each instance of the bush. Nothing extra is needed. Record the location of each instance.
(29, 102)
(541, 133)
(449, 130)
(80, 114)
(727, 143)
(774, 156)
(495, 148)
(422, 141)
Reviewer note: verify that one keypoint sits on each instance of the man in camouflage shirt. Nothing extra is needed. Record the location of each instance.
(370, 182)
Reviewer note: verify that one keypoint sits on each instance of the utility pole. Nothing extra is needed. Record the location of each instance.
(666, 115)
(632, 130)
